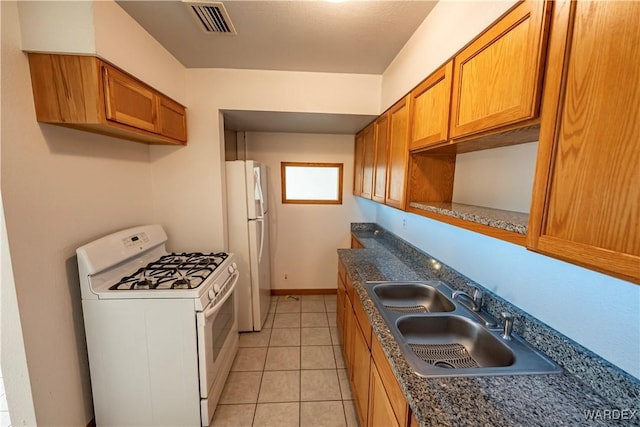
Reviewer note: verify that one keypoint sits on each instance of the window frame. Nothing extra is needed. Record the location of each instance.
(338, 201)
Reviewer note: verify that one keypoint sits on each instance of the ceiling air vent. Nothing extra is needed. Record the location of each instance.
(212, 17)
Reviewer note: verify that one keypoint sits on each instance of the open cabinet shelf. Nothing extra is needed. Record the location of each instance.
(506, 225)
(430, 194)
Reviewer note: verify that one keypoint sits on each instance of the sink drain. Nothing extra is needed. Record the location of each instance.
(407, 309)
(450, 356)
(441, 364)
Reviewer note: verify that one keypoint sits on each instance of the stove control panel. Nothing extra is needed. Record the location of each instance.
(135, 240)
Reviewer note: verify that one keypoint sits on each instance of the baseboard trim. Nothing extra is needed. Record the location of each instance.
(281, 292)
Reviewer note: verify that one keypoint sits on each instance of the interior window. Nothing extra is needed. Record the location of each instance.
(311, 183)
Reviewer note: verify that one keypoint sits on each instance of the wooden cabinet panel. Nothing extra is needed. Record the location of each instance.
(586, 201)
(380, 161)
(368, 158)
(399, 116)
(355, 243)
(363, 320)
(86, 93)
(392, 388)
(430, 107)
(358, 164)
(172, 119)
(360, 378)
(497, 77)
(380, 411)
(348, 336)
(127, 101)
(57, 101)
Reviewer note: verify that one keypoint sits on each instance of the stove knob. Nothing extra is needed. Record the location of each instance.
(211, 294)
(232, 267)
(216, 288)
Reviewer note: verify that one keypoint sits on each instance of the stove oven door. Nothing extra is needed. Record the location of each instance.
(217, 347)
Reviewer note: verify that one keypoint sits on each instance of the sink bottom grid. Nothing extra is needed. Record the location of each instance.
(444, 355)
(407, 309)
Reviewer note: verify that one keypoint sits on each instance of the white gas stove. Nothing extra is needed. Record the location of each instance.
(161, 328)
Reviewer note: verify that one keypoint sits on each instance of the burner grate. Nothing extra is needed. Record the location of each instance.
(173, 271)
(444, 355)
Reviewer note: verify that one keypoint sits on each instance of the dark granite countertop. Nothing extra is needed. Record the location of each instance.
(588, 385)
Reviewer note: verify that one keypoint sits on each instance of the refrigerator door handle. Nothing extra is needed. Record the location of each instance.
(261, 246)
(256, 178)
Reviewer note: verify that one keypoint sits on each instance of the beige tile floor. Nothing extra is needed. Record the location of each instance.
(292, 372)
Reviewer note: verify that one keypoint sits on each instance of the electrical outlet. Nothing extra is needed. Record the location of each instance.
(404, 223)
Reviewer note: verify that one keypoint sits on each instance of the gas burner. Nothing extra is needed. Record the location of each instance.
(142, 284)
(173, 271)
(181, 284)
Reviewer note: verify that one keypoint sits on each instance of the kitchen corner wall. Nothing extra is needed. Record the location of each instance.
(304, 238)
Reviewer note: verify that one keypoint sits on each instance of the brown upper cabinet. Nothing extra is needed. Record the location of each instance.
(586, 198)
(399, 117)
(368, 160)
(87, 93)
(497, 77)
(358, 164)
(381, 158)
(430, 106)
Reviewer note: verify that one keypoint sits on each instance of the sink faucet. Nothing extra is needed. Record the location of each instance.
(508, 324)
(476, 300)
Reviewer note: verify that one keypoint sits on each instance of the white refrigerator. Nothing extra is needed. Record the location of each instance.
(248, 219)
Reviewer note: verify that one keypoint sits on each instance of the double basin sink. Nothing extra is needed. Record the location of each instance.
(441, 337)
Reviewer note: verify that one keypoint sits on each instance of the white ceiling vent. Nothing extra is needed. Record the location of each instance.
(212, 17)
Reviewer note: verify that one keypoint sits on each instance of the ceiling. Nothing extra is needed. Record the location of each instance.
(357, 36)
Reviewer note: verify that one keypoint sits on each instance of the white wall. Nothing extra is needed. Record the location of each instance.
(598, 311)
(57, 26)
(501, 178)
(189, 186)
(62, 188)
(304, 238)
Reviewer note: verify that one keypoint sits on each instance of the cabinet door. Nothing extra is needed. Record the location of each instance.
(358, 166)
(129, 102)
(172, 119)
(430, 105)
(368, 159)
(380, 161)
(497, 77)
(392, 388)
(360, 377)
(398, 153)
(380, 410)
(348, 335)
(586, 200)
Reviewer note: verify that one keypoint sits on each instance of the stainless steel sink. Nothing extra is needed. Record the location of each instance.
(453, 342)
(440, 337)
(412, 298)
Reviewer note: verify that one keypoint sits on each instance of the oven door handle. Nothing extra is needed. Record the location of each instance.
(211, 310)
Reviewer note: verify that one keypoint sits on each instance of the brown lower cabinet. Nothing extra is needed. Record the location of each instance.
(379, 399)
